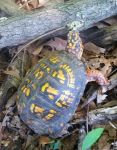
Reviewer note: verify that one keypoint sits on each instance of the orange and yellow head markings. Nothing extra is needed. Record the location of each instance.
(26, 90)
(36, 109)
(54, 60)
(73, 39)
(74, 44)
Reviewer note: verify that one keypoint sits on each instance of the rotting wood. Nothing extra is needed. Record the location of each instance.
(21, 29)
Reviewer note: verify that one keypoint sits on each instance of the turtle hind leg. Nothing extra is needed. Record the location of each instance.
(96, 75)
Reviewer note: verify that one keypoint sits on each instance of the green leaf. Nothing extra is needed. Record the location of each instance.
(91, 138)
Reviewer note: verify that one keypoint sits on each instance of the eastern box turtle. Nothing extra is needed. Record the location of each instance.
(51, 91)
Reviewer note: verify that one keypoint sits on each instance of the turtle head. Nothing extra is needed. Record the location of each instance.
(74, 42)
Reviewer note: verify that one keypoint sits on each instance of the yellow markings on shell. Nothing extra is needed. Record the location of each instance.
(52, 91)
(51, 97)
(58, 104)
(23, 87)
(28, 80)
(44, 87)
(54, 73)
(64, 103)
(44, 66)
(65, 99)
(59, 74)
(54, 60)
(32, 107)
(49, 89)
(36, 109)
(25, 90)
(49, 116)
(48, 69)
(52, 111)
(38, 74)
(71, 78)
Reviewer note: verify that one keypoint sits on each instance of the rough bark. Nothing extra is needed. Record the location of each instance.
(20, 29)
(8, 8)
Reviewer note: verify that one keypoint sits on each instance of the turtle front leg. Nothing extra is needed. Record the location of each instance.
(96, 75)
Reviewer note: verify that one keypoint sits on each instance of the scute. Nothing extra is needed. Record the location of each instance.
(50, 93)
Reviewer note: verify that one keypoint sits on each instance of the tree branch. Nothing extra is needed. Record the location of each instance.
(23, 28)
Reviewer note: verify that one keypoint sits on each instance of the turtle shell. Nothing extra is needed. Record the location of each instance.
(50, 93)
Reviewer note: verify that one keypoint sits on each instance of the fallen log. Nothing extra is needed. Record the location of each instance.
(23, 28)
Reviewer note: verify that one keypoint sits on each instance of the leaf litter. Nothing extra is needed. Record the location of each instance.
(14, 134)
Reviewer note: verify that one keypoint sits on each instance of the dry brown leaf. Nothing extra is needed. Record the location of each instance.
(42, 2)
(28, 4)
(37, 51)
(45, 140)
(32, 4)
(101, 63)
(93, 48)
(103, 141)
